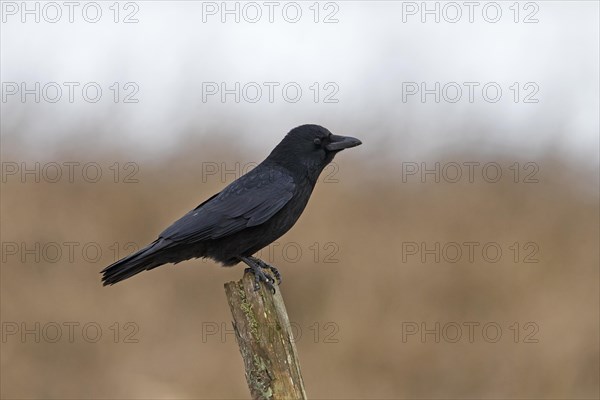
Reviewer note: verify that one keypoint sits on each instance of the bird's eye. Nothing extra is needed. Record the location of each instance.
(317, 142)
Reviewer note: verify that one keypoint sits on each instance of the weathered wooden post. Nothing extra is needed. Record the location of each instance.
(263, 332)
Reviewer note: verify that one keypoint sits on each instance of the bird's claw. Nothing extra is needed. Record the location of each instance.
(256, 267)
(266, 265)
(259, 276)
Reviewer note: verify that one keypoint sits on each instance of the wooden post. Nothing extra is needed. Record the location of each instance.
(263, 332)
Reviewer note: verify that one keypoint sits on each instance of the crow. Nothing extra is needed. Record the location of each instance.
(249, 214)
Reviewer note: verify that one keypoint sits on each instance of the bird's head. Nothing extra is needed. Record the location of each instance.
(312, 147)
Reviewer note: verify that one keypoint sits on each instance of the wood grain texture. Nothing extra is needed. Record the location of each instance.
(262, 330)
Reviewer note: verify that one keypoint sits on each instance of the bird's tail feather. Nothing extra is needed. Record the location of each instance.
(147, 258)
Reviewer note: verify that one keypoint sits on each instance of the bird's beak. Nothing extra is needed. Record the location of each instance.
(342, 142)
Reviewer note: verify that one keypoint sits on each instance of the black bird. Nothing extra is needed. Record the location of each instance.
(249, 214)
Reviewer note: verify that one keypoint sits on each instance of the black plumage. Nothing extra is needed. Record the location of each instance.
(249, 214)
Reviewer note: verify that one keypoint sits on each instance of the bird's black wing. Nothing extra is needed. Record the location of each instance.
(249, 201)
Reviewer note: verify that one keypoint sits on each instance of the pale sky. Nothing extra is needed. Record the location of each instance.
(371, 61)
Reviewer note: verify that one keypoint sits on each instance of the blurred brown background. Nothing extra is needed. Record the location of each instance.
(357, 305)
(382, 303)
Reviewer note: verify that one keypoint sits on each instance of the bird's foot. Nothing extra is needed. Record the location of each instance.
(266, 265)
(259, 275)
